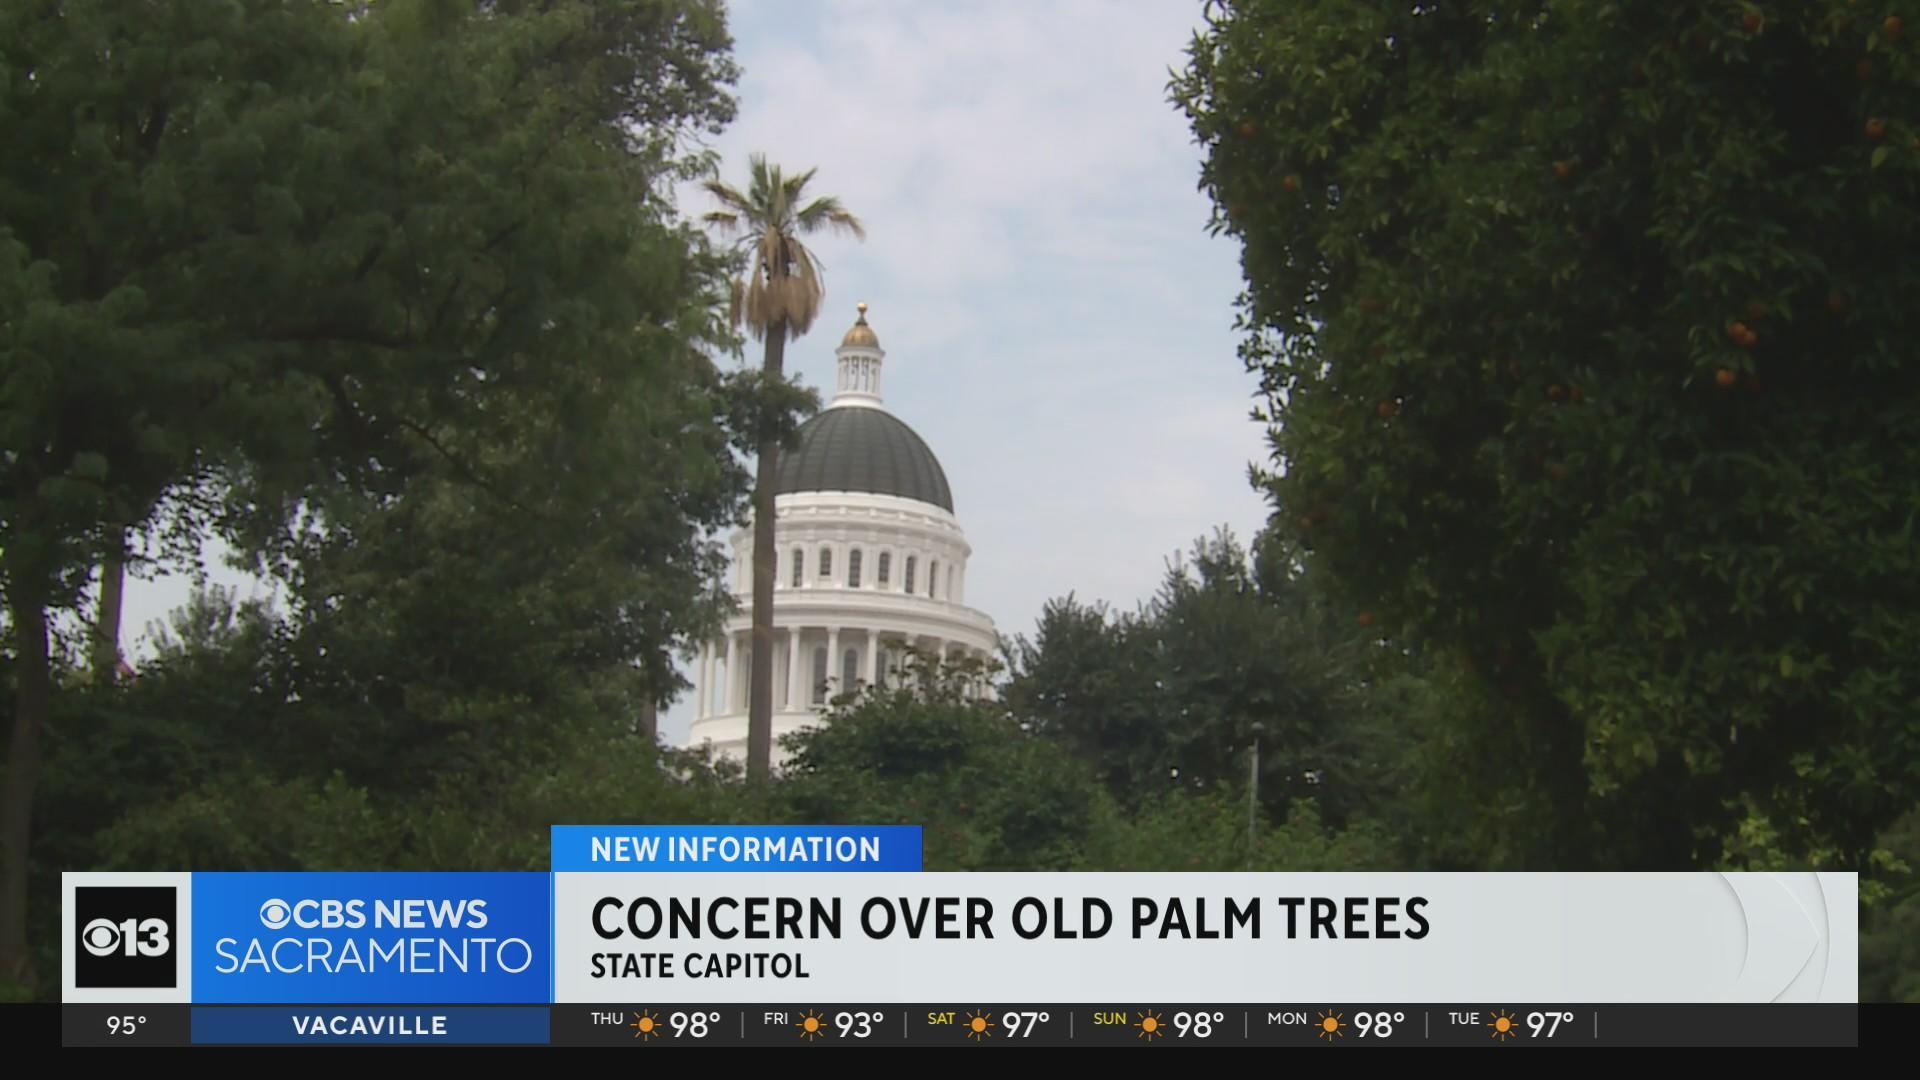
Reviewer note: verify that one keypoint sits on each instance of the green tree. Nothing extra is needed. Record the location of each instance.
(777, 300)
(1234, 646)
(1200, 832)
(260, 261)
(1088, 679)
(988, 794)
(1584, 329)
(1890, 924)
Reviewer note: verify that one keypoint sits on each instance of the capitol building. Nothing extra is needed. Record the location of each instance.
(872, 561)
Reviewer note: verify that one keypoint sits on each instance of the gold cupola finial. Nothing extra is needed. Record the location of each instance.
(861, 336)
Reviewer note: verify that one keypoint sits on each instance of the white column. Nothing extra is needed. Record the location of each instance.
(714, 660)
(706, 679)
(833, 662)
(794, 664)
(873, 658)
(731, 692)
(701, 665)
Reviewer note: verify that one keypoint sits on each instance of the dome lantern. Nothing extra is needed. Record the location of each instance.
(860, 357)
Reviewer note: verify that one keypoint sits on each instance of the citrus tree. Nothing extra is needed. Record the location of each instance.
(1585, 333)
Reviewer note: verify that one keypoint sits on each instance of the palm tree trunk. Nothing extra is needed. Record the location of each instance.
(765, 564)
(106, 627)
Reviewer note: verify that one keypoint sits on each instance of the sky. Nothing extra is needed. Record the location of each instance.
(1058, 324)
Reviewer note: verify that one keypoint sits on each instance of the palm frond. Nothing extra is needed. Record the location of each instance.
(804, 293)
(727, 195)
(736, 304)
(827, 213)
(726, 221)
(784, 283)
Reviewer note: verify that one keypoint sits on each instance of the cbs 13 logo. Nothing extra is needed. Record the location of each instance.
(126, 936)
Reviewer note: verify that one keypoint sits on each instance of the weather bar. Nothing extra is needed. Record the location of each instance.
(983, 1024)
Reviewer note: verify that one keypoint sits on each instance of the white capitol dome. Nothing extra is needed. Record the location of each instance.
(871, 561)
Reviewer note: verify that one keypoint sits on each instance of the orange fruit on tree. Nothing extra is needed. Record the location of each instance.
(1290, 183)
(1876, 128)
(1248, 129)
(1556, 392)
(1563, 170)
(1366, 619)
(1725, 378)
(1738, 332)
(1387, 409)
(1753, 22)
(1893, 27)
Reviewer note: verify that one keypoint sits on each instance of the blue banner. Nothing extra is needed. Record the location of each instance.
(241, 1025)
(813, 849)
(372, 938)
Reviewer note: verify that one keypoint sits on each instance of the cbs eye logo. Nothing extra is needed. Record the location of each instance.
(125, 936)
(275, 914)
(145, 937)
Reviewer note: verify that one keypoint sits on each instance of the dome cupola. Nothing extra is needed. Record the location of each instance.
(860, 357)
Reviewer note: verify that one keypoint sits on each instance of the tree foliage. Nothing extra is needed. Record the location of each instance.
(345, 281)
(1584, 331)
(1168, 697)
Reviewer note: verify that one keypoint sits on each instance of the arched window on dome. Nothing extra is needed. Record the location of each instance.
(820, 675)
(826, 562)
(850, 670)
(886, 565)
(799, 565)
(853, 569)
(908, 582)
(933, 579)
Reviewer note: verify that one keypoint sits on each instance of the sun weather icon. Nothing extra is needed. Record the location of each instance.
(1333, 1025)
(979, 1026)
(1503, 1026)
(812, 1026)
(1151, 1027)
(645, 1026)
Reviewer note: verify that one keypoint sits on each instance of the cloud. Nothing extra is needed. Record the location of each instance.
(1057, 320)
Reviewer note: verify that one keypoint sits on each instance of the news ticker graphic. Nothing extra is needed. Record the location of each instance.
(704, 927)
(953, 1024)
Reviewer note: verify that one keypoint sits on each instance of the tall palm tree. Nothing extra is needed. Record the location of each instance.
(776, 301)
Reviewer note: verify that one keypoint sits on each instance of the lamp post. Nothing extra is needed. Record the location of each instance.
(1253, 792)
